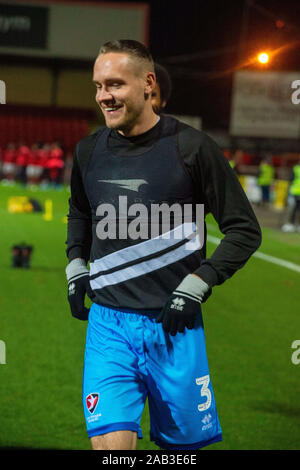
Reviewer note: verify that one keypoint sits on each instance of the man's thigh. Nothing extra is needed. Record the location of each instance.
(182, 406)
(118, 440)
(113, 391)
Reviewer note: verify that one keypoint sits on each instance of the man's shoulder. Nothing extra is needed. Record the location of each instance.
(188, 136)
(183, 127)
(85, 147)
(88, 140)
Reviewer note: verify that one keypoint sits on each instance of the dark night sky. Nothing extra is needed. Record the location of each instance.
(202, 85)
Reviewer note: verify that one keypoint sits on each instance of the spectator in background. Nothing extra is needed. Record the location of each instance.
(238, 157)
(43, 152)
(23, 157)
(295, 193)
(265, 179)
(9, 163)
(34, 169)
(162, 90)
(55, 165)
(56, 151)
(39, 163)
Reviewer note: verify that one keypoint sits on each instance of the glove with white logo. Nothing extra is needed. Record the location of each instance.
(183, 306)
(78, 285)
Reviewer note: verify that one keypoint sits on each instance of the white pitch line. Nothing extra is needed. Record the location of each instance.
(259, 254)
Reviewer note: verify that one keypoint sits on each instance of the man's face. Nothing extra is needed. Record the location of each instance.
(157, 104)
(121, 86)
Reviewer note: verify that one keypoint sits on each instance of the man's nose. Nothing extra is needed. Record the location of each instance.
(103, 95)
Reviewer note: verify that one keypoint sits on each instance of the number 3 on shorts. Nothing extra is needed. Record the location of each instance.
(205, 392)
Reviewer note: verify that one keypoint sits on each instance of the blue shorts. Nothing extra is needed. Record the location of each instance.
(129, 358)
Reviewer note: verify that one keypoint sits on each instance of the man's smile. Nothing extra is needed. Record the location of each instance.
(111, 110)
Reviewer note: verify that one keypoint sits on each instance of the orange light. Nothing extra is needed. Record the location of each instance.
(279, 24)
(263, 57)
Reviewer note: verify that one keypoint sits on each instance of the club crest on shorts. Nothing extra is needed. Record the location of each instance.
(92, 402)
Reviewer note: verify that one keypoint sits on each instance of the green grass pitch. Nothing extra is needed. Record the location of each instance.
(250, 324)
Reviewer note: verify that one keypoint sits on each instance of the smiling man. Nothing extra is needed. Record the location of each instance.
(124, 86)
(145, 336)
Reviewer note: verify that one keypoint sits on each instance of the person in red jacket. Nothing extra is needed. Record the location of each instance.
(23, 155)
(33, 169)
(9, 163)
(55, 164)
(43, 152)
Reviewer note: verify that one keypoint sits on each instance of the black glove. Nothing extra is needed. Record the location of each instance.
(183, 306)
(78, 277)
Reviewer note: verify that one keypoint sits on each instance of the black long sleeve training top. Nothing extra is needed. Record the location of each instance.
(117, 181)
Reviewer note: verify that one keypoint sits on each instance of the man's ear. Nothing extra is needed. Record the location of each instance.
(150, 83)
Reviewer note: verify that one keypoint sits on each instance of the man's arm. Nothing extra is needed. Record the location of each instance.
(228, 203)
(79, 238)
(79, 229)
(217, 186)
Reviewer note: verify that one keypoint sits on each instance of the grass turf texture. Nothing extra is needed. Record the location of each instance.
(250, 324)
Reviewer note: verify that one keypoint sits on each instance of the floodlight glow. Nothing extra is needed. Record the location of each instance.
(263, 57)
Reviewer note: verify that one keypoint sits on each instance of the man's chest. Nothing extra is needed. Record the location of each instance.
(146, 179)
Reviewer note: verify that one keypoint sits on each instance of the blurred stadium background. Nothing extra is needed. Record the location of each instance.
(46, 55)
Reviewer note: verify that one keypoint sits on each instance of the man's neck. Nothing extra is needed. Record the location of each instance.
(139, 129)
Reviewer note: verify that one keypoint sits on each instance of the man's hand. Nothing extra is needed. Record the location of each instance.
(78, 285)
(183, 306)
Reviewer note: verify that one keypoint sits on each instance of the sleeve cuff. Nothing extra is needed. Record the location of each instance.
(76, 267)
(75, 252)
(207, 274)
